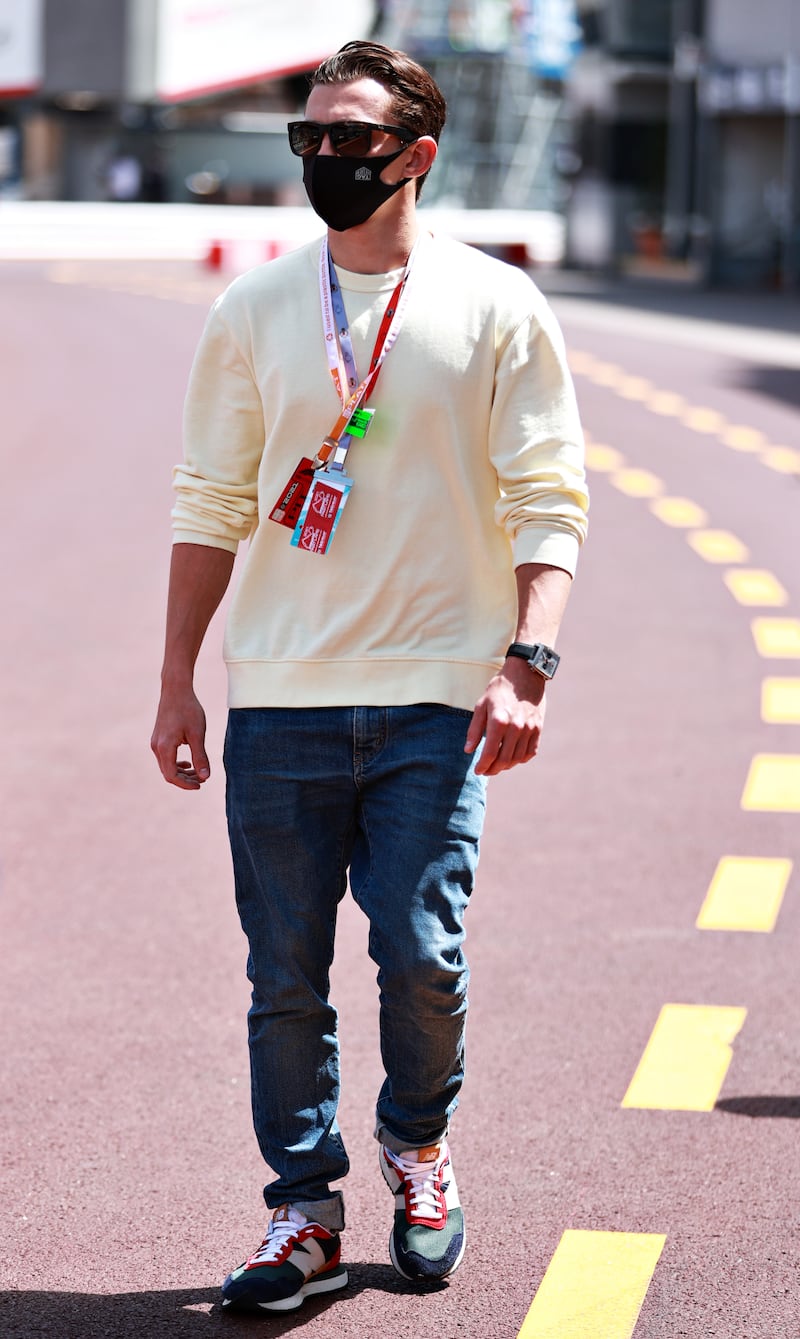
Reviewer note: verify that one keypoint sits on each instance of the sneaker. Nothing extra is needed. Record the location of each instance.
(296, 1259)
(428, 1237)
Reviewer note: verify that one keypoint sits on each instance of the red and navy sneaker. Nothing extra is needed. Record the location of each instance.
(428, 1237)
(297, 1259)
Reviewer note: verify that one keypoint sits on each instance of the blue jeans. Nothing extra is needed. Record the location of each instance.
(388, 794)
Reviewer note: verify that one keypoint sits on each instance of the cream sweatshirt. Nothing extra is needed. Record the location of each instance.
(472, 466)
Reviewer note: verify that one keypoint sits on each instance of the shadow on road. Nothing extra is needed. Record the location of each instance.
(786, 1107)
(189, 1313)
(779, 383)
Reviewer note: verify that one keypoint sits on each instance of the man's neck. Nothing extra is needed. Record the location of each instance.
(376, 246)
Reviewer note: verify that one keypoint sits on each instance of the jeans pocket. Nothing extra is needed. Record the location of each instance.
(465, 712)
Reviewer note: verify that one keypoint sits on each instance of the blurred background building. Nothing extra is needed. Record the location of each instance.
(665, 132)
(688, 121)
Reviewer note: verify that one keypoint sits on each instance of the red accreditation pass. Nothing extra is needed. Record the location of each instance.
(290, 503)
(321, 512)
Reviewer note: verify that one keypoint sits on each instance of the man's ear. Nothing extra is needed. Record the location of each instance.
(421, 155)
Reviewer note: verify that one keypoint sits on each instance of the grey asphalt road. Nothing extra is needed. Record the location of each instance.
(130, 1182)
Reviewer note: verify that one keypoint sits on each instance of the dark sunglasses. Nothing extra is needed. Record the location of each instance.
(349, 139)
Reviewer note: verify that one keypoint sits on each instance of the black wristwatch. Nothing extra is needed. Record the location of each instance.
(542, 659)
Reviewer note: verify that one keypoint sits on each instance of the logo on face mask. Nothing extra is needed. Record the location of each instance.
(346, 191)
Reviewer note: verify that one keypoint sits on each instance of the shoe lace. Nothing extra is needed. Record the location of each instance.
(274, 1246)
(422, 1184)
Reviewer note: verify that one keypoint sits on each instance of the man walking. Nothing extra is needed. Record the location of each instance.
(387, 418)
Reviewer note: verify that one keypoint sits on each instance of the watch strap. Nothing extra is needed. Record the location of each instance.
(542, 659)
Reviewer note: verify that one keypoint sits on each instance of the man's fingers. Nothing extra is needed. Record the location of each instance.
(200, 761)
(506, 749)
(526, 746)
(182, 772)
(498, 748)
(475, 730)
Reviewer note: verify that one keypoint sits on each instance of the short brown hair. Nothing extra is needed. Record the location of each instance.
(418, 102)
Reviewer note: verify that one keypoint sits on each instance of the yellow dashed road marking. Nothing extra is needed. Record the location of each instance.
(686, 1059)
(604, 458)
(703, 420)
(740, 438)
(780, 701)
(752, 586)
(594, 1286)
(718, 546)
(666, 403)
(745, 893)
(777, 638)
(634, 388)
(637, 483)
(607, 374)
(783, 459)
(678, 511)
(582, 364)
(108, 277)
(773, 783)
(699, 418)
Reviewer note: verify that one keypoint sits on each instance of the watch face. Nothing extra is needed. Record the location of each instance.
(545, 661)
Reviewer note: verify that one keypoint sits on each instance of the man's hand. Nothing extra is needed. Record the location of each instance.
(510, 716)
(198, 578)
(181, 720)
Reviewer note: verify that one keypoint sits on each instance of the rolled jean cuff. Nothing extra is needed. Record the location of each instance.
(329, 1213)
(396, 1145)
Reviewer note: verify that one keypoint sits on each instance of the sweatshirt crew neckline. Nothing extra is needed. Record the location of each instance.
(355, 282)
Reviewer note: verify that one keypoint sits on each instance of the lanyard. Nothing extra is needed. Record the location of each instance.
(353, 393)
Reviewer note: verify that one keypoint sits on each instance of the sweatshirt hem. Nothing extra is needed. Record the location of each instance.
(370, 681)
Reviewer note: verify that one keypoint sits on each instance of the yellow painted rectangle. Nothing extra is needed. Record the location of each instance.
(606, 374)
(777, 638)
(680, 512)
(594, 1286)
(686, 1059)
(784, 459)
(780, 701)
(634, 388)
(773, 783)
(718, 546)
(666, 402)
(752, 586)
(745, 893)
(603, 458)
(580, 362)
(637, 483)
(741, 438)
(704, 420)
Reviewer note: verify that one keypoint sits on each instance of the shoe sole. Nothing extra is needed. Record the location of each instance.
(332, 1283)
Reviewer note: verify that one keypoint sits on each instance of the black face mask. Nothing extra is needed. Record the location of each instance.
(347, 191)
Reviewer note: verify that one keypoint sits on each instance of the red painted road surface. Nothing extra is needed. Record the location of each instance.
(130, 1179)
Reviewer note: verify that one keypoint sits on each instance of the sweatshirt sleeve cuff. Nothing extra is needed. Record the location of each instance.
(210, 541)
(532, 545)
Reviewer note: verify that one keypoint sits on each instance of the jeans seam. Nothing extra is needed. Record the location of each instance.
(368, 877)
(357, 776)
(342, 863)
